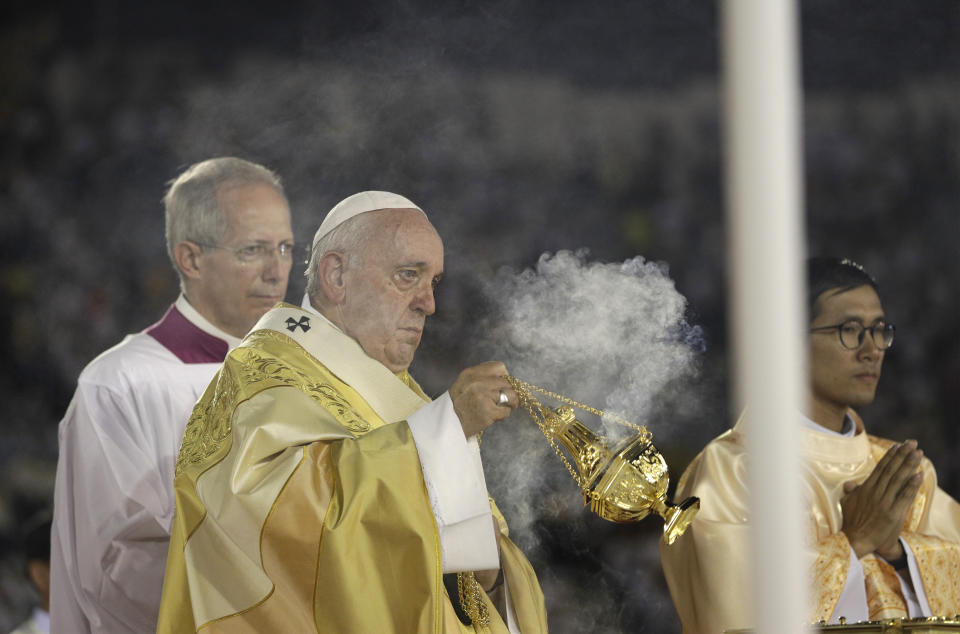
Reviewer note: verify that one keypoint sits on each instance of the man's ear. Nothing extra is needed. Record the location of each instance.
(330, 269)
(186, 254)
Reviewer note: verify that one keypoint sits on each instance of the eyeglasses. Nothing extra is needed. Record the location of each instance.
(852, 333)
(256, 252)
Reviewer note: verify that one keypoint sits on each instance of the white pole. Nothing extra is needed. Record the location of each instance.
(765, 236)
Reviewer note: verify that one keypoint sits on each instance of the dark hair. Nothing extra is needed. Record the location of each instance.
(839, 274)
(36, 537)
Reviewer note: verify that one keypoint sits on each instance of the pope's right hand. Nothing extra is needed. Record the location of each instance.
(874, 511)
(476, 397)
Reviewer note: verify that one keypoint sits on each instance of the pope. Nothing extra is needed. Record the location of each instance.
(318, 488)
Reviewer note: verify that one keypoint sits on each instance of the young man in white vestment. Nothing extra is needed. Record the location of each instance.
(319, 489)
(229, 238)
(883, 541)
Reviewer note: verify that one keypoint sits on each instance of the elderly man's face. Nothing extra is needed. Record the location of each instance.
(389, 288)
(246, 274)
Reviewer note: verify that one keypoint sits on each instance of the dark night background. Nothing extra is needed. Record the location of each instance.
(522, 127)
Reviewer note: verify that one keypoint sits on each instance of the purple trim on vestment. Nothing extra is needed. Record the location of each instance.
(187, 341)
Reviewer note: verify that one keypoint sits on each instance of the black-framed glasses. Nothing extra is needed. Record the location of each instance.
(256, 252)
(852, 333)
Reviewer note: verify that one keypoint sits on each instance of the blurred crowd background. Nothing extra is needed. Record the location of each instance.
(523, 127)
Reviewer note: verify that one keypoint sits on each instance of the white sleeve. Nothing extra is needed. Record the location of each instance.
(65, 610)
(453, 475)
(512, 625)
(852, 603)
(913, 592)
(105, 528)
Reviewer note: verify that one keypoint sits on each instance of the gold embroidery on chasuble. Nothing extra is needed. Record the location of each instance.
(884, 599)
(939, 563)
(829, 575)
(249, 369)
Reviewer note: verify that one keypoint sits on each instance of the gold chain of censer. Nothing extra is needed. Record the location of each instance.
(535, 409)
(471, 599)
(469, 589)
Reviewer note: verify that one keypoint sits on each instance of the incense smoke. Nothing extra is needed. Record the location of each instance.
(610, 335)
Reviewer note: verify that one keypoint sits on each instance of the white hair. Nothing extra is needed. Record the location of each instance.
(191, 208)
(348, 238)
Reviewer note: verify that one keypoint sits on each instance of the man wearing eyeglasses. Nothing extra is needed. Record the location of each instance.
(229, 239)
(884, 540)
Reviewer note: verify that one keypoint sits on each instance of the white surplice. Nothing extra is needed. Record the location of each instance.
(113, 503)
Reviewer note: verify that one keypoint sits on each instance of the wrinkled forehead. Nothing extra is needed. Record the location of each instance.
(405, 236)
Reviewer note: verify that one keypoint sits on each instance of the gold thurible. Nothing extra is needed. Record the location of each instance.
(621, 482)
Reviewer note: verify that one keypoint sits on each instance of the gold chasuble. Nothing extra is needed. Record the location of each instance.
(707, 568)
(301, 504)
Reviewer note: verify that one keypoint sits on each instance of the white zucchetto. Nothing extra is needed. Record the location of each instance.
(359, 204)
